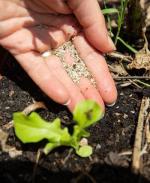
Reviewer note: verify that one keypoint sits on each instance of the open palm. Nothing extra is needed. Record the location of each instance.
(28, 28)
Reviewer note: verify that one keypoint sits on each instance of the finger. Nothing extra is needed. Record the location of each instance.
(90, 92)
(66, 24)
(48, 6)
(56, 67)
(36, 39)
(50, 36)
(99, 69)
(58, 6)
(10, 10)
(37, 69)
(24, 40)
(10, 26)
(36, 6)
(90, 17)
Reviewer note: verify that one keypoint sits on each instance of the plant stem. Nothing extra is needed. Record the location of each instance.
(108, 19)
(127, 45)
(121, 18)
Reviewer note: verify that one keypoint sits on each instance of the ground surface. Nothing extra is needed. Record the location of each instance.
(110, 137)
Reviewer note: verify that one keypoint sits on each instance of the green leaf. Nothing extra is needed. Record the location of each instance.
(87, 113)
(110, 11)
(33, 128)
(85, 151)
(127, 45)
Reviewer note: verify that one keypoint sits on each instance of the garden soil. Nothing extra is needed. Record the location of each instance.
(112, 138)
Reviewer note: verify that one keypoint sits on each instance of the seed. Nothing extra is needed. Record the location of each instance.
(78, 69)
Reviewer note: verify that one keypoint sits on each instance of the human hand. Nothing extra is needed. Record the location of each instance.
(21, 33)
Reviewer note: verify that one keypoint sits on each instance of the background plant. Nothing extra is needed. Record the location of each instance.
(121, 11)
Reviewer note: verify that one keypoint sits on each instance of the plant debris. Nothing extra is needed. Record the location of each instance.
(145, 104)
(12, 151)
(142, 58)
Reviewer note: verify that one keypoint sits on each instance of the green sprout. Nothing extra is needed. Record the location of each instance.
(32, 128)
(120, 21)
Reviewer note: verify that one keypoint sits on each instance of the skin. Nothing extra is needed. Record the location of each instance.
(21, 34)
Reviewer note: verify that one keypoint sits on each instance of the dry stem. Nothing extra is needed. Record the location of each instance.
(139, 135)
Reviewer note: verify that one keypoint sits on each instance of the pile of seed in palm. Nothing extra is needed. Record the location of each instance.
(78, 69)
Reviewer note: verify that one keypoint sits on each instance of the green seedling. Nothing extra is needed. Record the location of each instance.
(109, 11)
(120, 21)
(127, 45)
(32, 128)
(121, 17)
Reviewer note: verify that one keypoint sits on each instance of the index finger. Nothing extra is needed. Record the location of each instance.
(92, 20)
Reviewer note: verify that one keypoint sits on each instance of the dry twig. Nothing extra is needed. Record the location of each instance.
(12, 151)
(139, 135)
(131, 77)
(147, 129)
(39, 154)
(120, 56)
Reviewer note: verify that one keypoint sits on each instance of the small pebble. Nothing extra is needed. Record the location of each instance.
(125, 116)
(83, 142)
(98, 147)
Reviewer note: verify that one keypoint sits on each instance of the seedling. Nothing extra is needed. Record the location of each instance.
(120, 21)
(32, 128)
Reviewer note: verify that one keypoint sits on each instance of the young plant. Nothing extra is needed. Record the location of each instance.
(121, 16)
(32, 128)
(120, 20)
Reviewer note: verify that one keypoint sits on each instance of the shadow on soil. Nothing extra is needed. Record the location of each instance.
(15, 171)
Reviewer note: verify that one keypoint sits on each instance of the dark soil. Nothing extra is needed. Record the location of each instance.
(111, 136)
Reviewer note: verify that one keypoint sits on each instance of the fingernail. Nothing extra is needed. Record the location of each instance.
(111, 44)
(111, 105)
(67, 103)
